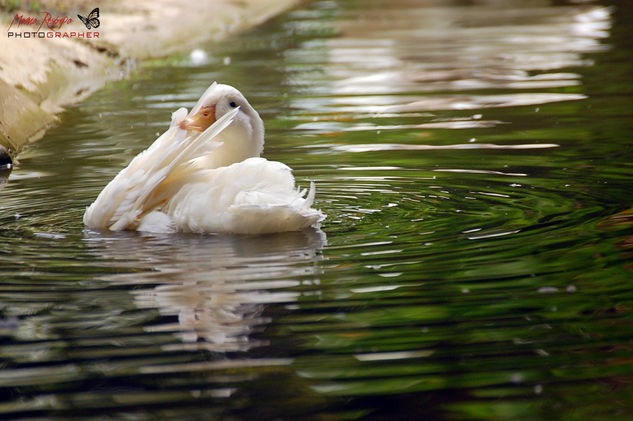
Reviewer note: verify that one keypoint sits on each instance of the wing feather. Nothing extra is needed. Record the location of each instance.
(136, 190)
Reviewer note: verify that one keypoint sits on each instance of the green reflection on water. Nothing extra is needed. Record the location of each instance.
(475, 165)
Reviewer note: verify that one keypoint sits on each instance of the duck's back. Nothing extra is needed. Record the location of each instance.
(254, 196)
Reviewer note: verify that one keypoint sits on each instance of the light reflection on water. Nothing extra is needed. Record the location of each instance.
(386, 53)
(474, 164)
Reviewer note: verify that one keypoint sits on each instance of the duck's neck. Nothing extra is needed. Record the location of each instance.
(239, 143)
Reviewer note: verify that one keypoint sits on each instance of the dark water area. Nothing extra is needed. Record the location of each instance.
(474, 159)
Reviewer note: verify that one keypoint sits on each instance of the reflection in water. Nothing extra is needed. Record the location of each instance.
(474, 158)
(400, 147)
(4, 174)
(216, 286)
(396, 48)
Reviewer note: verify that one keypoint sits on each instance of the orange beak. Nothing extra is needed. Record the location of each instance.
(200, 120)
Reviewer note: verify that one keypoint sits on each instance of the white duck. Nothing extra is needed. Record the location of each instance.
(204, 174)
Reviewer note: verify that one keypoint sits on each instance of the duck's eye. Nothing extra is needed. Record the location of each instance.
(233, 104)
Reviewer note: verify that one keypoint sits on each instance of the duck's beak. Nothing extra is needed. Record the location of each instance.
(201, 120)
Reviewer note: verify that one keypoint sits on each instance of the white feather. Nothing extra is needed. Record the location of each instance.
(254, 196)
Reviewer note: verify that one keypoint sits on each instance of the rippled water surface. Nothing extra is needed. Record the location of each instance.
(474, 159)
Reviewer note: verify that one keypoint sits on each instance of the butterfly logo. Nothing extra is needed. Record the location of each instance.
(92, 21)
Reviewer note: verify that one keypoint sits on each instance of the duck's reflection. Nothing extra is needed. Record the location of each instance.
(211, 291)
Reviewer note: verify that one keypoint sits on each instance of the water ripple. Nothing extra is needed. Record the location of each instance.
(474, 163)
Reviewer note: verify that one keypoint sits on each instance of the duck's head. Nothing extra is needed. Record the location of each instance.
(246, 132)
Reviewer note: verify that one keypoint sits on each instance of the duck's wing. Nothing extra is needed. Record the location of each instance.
(254, 196)
(134, 191)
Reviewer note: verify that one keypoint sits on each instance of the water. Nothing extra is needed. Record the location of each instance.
(474, 160)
